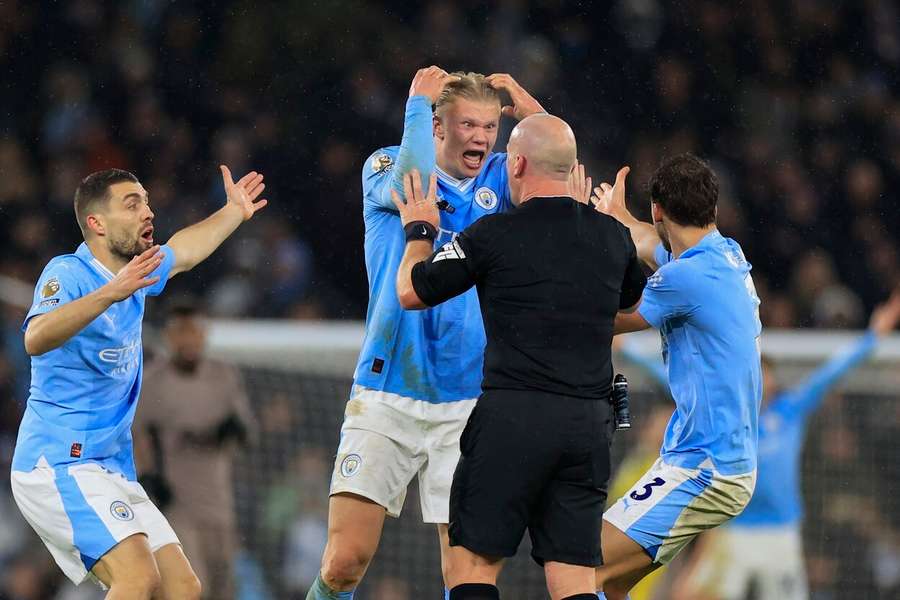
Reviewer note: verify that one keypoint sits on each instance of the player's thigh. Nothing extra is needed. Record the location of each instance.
(354, 528)
(129, 561)
(446, 422)
(623, 558)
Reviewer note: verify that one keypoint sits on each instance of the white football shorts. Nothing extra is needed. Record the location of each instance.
(669, 506)
(770, 559)
(386, 439)
(81, 511)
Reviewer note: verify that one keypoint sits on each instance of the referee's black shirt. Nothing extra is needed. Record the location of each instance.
(551, 276)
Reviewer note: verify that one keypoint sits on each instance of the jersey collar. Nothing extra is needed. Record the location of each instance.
(460, 184)
(84, 253)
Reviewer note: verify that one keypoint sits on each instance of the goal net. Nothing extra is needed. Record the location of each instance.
(299, 375)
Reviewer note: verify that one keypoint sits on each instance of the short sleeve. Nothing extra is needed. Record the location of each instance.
(450, 271)
(667, 295)
(162, 271)
(634, 281)
(661, 256)
(376, 181)
(59, 284)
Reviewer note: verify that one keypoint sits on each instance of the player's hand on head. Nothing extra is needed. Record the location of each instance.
(416, 204)
(579, 184)
(523, 104)
(886, 316)
(610, 199)
(243, 194)
(135, 275)
(430, 82)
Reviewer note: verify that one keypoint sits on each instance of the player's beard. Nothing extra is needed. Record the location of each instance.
(663, 235)
(124, 246)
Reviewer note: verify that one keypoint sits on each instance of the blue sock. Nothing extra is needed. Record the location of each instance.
(446, 594)
(320, 591)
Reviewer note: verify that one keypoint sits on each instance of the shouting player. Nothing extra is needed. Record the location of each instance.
(73, 474)
(703, 301)
(418, 373)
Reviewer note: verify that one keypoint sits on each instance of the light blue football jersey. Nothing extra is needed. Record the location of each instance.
(706, 308)
(777, 499)
(436, 354)
(84, 393)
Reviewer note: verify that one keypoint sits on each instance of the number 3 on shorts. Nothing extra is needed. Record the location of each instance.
(648, 489)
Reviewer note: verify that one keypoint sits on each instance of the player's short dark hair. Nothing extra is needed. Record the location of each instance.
(472, 86)
(687, 189)
(94, 190)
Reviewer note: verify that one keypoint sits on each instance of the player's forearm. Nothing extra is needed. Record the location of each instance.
(192, 245)
(53, 329)
(417, 145)
(415, 252)
(629, 322)
(645, 241)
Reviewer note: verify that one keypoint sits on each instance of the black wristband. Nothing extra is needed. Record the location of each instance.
(420, 230)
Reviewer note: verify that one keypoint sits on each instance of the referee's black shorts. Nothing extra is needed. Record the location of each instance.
(535, 460)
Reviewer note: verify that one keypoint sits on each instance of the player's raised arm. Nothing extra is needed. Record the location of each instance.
(45, 331)
(420, 218)
(192, 245)
(523, 104)
(610, 200)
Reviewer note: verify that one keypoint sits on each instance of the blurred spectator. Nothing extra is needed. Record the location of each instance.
(193, 418)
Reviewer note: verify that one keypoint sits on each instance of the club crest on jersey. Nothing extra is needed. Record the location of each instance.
(121, 511)
(486, 198)
(382, 163)
(51, 288)
(350, 465)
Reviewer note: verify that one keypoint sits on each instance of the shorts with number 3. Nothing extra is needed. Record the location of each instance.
(669, 506)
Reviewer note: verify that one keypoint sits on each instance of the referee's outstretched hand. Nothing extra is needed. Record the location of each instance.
(579, 184)
(417, 206)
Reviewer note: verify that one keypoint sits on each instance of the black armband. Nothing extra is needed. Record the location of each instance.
(420, 230)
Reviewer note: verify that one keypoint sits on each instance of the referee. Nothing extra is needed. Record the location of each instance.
(551, 276)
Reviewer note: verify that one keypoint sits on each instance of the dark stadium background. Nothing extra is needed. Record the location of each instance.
(796, 104)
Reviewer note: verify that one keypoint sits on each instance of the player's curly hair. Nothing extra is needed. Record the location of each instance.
(472, 86)
(687, 189)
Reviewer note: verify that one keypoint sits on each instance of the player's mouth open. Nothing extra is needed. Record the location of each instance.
(147, 235)
(473, 158)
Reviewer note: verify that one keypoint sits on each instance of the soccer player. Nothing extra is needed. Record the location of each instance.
(73, 474)
(762, 547)
(551, 277)
(418, 373)
(703, 301)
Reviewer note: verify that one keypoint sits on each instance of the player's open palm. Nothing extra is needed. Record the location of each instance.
(523, 104)
(418, 206)
(610, 199)
(135, 275)
(430, 82)
(243, 194)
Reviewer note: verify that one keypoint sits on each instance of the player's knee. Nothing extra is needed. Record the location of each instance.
(188, 587)
(140, 582)
(343, 568)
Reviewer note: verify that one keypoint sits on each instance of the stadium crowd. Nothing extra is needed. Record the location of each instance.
(796, 105)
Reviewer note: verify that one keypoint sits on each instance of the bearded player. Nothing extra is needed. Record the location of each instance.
(418, 373)
(73, 474)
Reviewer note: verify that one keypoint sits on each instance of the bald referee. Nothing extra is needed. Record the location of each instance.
(551, 276)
